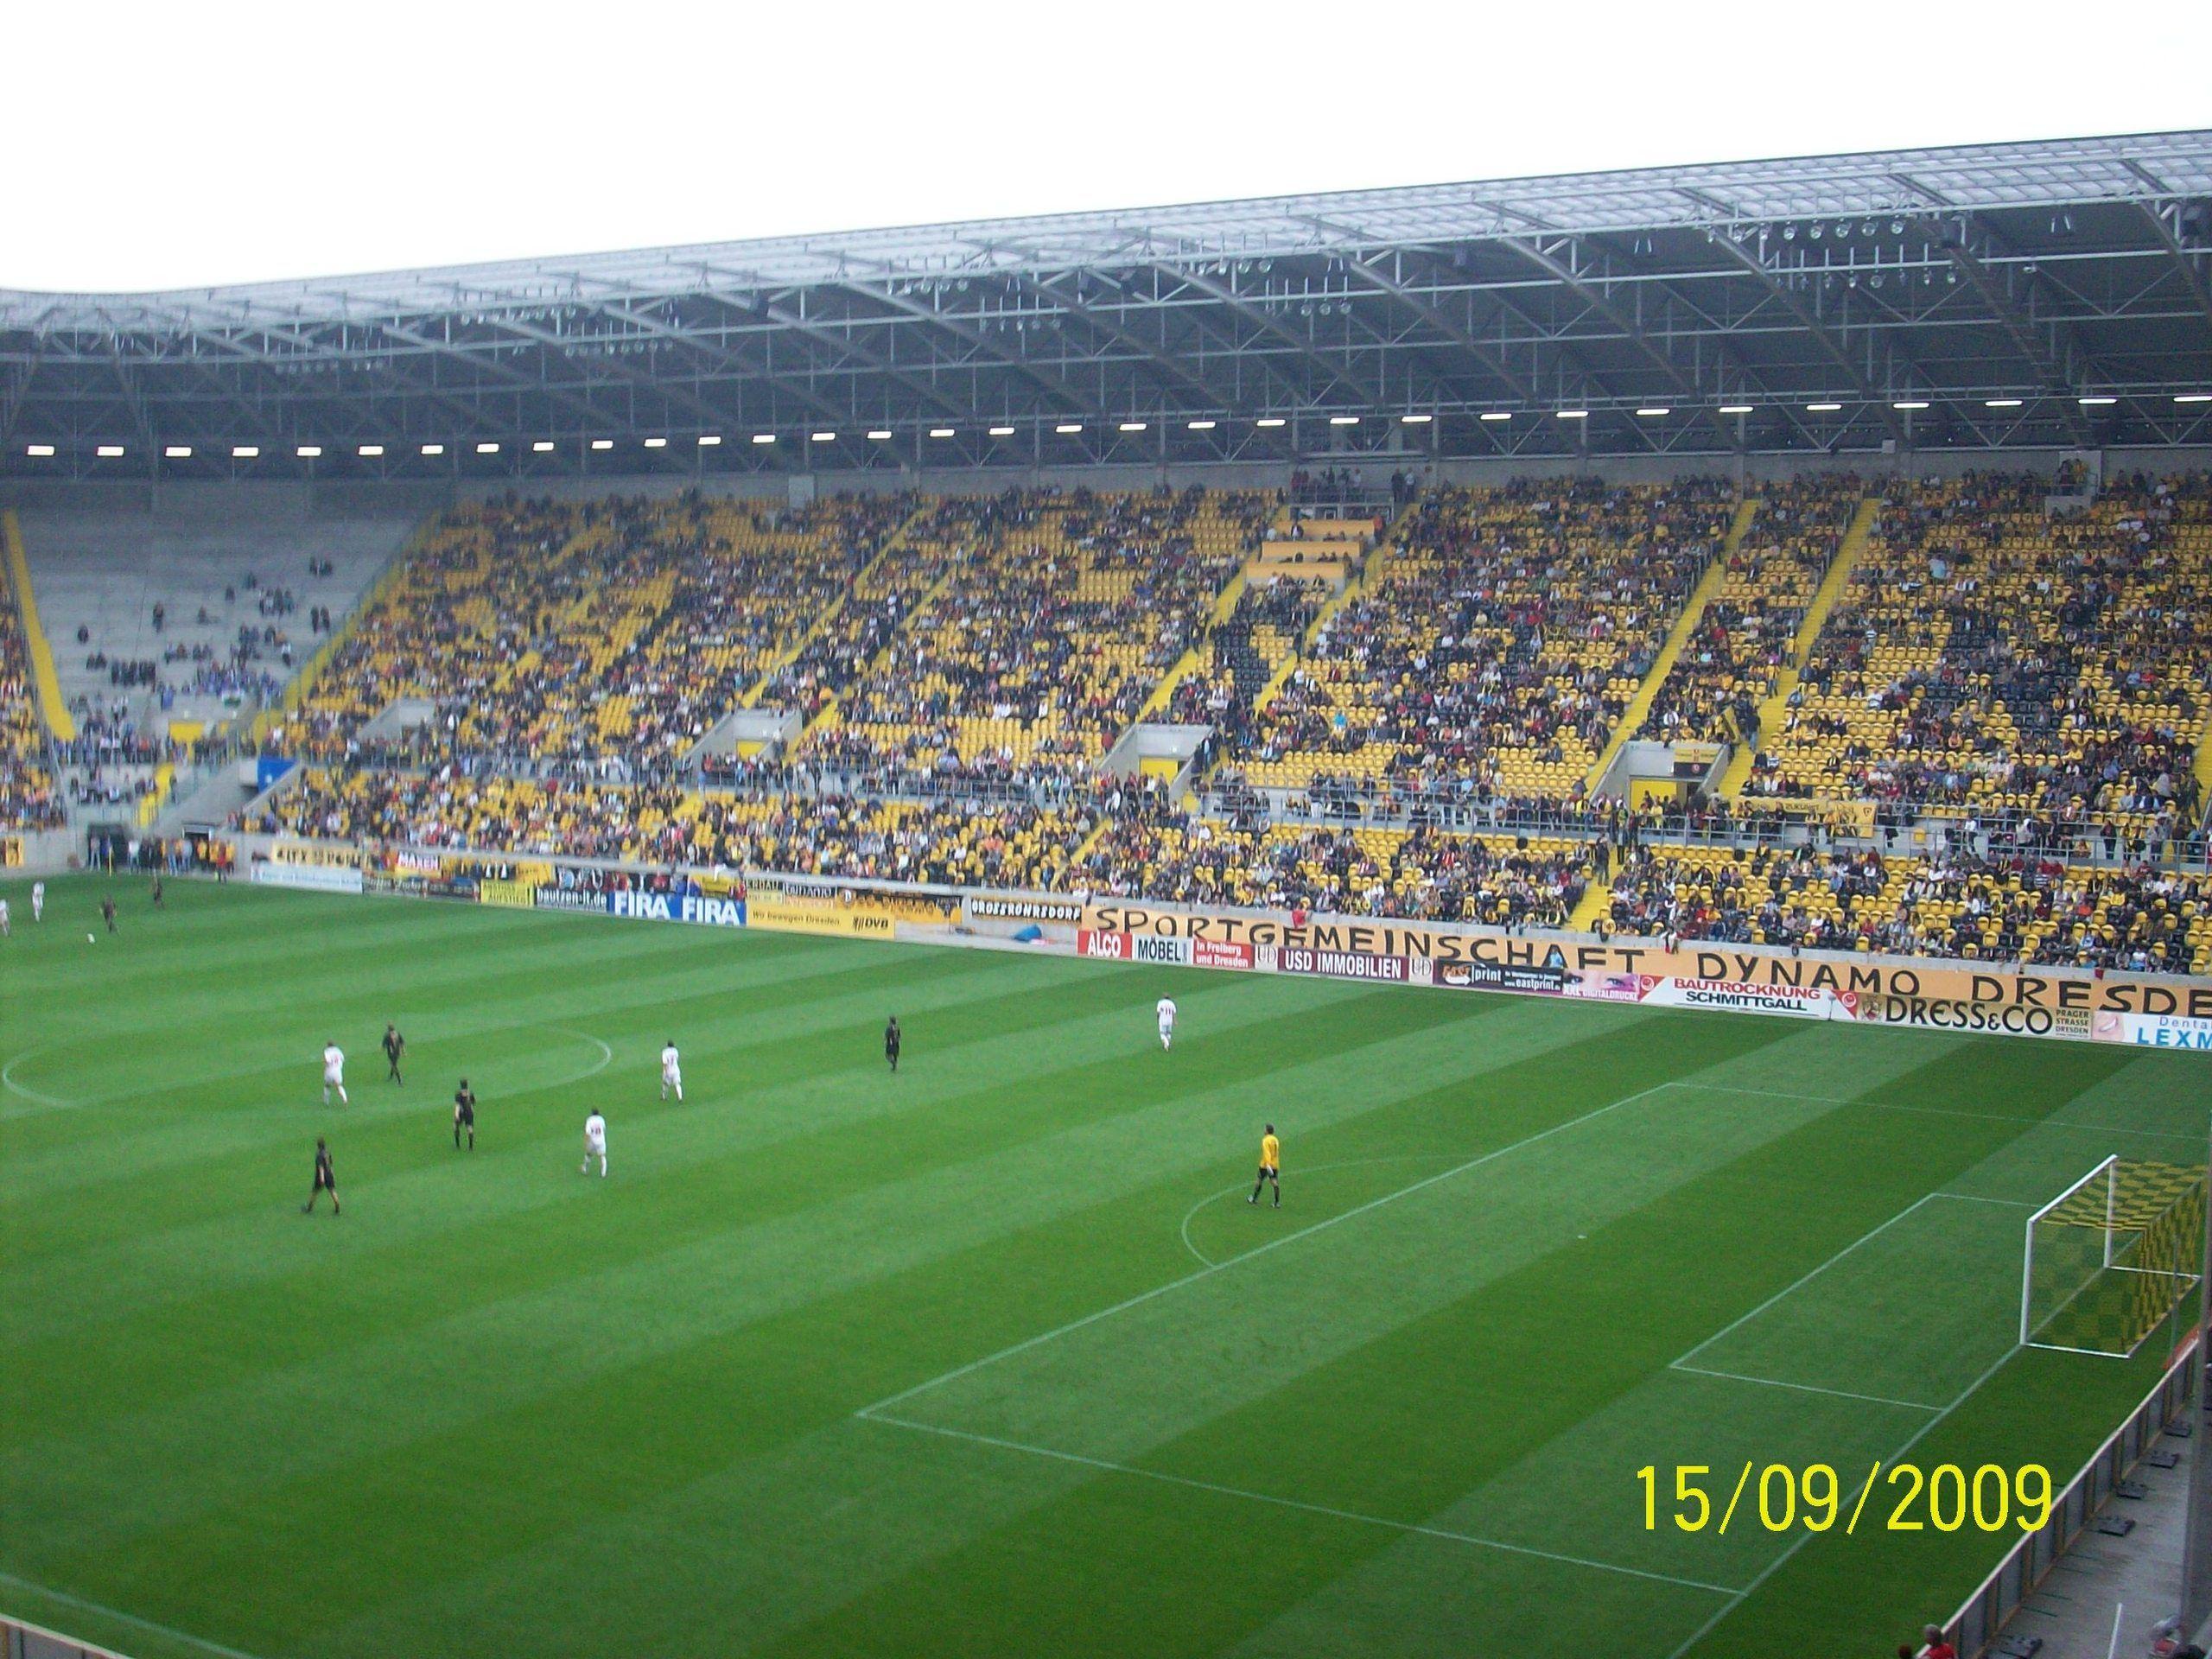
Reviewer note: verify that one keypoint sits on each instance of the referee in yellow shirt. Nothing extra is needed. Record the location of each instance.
(1270, 1167)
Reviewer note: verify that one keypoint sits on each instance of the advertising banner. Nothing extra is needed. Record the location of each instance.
(983, 907)
(1615, 971)
(796, 906)
(11, 851)
(1341, 964)
(2153, 1030)
(509, 895)
(316, 877)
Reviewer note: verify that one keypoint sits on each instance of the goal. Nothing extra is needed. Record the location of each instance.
(2109, 1258)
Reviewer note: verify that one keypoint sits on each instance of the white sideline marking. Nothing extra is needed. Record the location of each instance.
(871, 1415)
(1192, 1277)
(1802, 1388)
(1947, 1111)
(1191, 1214)
(62, 1597)
(1740, 1597)
(1806, 1278)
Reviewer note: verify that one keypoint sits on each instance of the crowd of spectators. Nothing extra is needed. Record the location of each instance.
(1991, 654)
(1741, 643)
(1500, 639)
(28, 798)
(1955, 903)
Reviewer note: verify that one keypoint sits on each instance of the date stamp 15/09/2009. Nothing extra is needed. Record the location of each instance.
(1814, 1497)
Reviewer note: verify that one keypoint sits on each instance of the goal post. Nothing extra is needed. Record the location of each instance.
(2108, 1259)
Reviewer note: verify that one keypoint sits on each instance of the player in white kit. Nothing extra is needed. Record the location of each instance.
(5, 929)
(594, 1143)
(1166, 1011)
(334, 1073)
(38, 901)
(672, 1071)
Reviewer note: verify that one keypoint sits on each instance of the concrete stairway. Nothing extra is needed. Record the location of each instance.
(1647, 693)
(1777, 701)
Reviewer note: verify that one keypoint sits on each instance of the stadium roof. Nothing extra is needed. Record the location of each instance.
(2041, 294)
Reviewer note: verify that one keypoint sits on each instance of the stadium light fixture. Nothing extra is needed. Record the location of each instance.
(1132, 426)
(2000, 403)
(709, 439)
(940, 431)
(1416, 420)
(1654, 411)
(434, 448)
(1002, 431)
(487, 448)
(1068, 429)
(245, 452)
(1910, 404)
(309, 452)
(177, 451)
(1574, 413)
(544, 445)
(1344, 420)
(1735, 408)
(824, 438)
(602, 443)
(1497, 415)
(2193, 397)
(110, 452)
(1201, 426)
(371, 451)
(656, 443)
(1823, 409)
(40, 450)
(880, 434)
(2096, 402)
(764, 437)
(1269, 420)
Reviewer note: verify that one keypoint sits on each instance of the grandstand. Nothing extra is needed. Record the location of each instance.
(1780, 587)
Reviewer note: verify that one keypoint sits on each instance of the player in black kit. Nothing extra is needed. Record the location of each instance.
(394, 1047)
(326, 1177)
(107, 910)
(464, 1115)
(891, 1040)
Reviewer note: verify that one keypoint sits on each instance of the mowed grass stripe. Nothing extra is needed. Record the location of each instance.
(831, 1074)
(668, 1296)
(406, 1437)
(592, 1386)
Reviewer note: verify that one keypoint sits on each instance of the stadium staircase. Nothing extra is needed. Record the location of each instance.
(1775, 705)
(895, 543)
(1709, 586)
(46, 683)
(303, 682)
(1385, 545)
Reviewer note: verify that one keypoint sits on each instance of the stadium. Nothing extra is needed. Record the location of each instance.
(1648, 730)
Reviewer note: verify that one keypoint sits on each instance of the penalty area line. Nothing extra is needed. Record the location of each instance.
(1208, 1271)
(871, 1415)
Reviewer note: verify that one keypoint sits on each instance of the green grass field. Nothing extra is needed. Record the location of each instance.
(991, 1357)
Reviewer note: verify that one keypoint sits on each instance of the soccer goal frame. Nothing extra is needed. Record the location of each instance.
(2165, 1242)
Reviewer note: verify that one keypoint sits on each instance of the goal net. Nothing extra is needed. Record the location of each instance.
(2112, 1257)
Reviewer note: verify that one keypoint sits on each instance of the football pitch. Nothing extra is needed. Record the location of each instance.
(990, 1357)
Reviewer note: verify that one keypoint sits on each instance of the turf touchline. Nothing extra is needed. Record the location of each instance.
(1802, 1388)
(873, 1416)
(1804, 1538)
(79, 1604)
(1806, 1278)
(1946, 1111)
(1192, 1278)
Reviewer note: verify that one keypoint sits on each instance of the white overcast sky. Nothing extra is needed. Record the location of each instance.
(180, 145)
